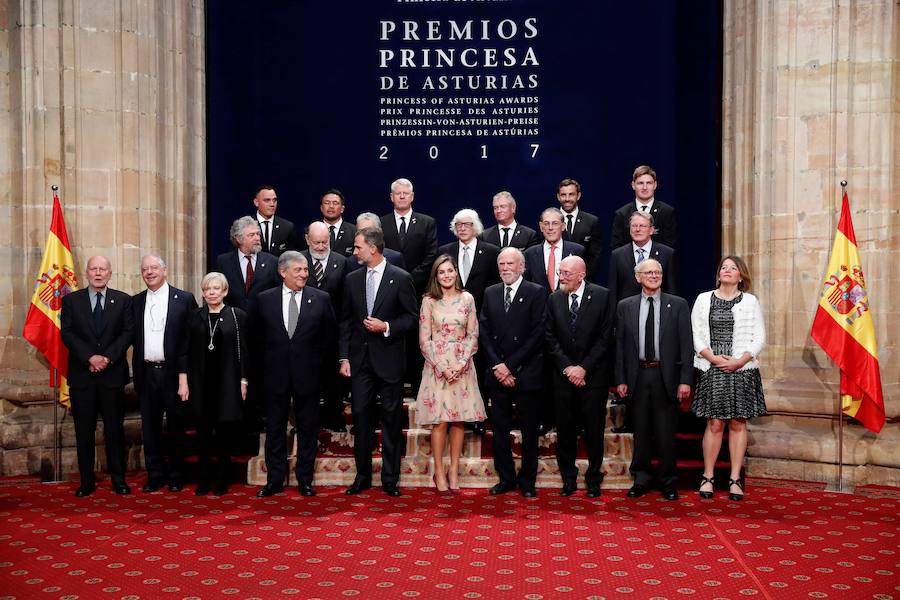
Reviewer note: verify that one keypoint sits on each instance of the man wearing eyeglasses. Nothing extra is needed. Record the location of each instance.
(161, 314)
(542, 261)
(654, 370)
(476, 260)
(621, 282)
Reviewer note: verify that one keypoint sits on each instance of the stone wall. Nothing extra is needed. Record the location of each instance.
(106, 99)
(810, 97)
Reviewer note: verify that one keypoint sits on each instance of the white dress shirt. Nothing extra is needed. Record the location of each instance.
(243, 260)
(646, 248)
(459, 259)
(565, 215)
(640, 207)
(156, 309)
(559, 257)
(407, 216)
(378, 275)
(286, 302)
(642, 324)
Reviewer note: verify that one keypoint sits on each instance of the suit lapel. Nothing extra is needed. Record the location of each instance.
(387, 281)
(141, 300)
(664, 308)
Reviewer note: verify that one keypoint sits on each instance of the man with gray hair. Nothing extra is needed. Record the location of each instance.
(297, 328)
(248, 269)
(542, 261)
(411, 233)
(507, 232)
(368, 220)
(161, 314)
(476, 260)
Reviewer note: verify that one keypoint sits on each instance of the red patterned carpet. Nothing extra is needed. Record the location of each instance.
(783, 541)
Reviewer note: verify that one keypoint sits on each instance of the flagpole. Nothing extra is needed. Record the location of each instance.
(838, 487)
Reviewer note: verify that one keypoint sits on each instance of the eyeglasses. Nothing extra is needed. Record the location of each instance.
(568, 273)
(551, 223)
(651, 273)
(640, 226)
(461, 224)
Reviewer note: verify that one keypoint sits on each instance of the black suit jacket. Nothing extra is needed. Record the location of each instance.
(663, 222)
(588, 345)
(484, 271)
(536, 270)
(296, 363)
(284, 237)
(523, 237)
(175, 337)
(343, 244)
(676, 345)
(421, 245)
(78, 334)
(265, 276)
(395, 303)
(622, 282)
(333, 279)
(515, 338)
(586, 231)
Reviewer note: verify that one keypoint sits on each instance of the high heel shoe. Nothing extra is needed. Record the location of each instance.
(703, 481)
(439, 490)
(453, 490)
(740, 483)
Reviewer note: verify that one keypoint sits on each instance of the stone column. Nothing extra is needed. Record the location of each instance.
(809, 99)
(106, 99)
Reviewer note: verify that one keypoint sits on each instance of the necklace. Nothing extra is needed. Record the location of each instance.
(212, 332)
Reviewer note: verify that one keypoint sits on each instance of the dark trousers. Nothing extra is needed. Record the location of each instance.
(109, 403)
(365, 386)
(306, 418)
(502, 400)
(155, 401)
(215, 438)
(332, 391)
(585, 406)
(655, 418)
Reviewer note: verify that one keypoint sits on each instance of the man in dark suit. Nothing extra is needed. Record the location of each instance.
(507, 232)
(511, 337)
(476, 260)
(297, 328)
(160, 315)
(578, 324)
(276, 234)
(247, 268)
(542, 261)
(327, 270)
(369, 220)
(643, 182)
(96, 325)
(341, 232)
(412, 234)
(579, 226)
(654, 371)
(380, 310)
(624, 258)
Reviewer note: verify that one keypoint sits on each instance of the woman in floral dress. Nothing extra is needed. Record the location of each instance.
(448, 396)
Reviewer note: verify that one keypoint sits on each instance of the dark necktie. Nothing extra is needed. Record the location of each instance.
(569, 226)
(507, 299)
(650, 333)
(266, 245)
(319, 272)
(248, 280)
(573, 312)
(640, 256)
(98, 313)
(333, 230)
(402, 231)
(505, 241)
(644, 208)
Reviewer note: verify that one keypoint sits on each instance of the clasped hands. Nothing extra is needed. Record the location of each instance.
(98, 363)
(504, 375)
(728, 364)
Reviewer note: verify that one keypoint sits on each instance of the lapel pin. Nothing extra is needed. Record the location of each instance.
(175, 296)
(668, 306)
(391, 281)
(520, 299)
(588, 297)
(263, 265)
(277, 226)
(413, 220)
(479, 252)
(112, 300)
(309, 301)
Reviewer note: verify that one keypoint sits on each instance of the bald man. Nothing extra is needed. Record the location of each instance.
(578, 323)
(96, 325)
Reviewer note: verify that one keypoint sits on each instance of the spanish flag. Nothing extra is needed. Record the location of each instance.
(843, 327)
(56, 278)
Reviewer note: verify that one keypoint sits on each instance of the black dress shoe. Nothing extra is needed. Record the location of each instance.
(391, 490)
(175, 486)
(739, 482)
(269, 490)
(568, 488)
(670, 494)
(220, 489)
(622, 429)
(529, 492)
(637, 490)
(502, 488)
(306, 489)
(121, 488)
(84, 490)
(593, 491)
(357, 487)
(151, 486)
(202, 489)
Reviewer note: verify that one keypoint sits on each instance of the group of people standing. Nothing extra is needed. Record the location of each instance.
(507, 322)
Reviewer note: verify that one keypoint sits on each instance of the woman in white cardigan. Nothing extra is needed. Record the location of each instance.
(729, 334)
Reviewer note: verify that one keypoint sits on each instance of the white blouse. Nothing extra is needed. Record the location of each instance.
(749, 329)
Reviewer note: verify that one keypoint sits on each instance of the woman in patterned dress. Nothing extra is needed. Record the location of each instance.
(448, 396)
(729, 334)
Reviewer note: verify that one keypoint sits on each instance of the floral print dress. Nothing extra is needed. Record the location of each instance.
(448, 337)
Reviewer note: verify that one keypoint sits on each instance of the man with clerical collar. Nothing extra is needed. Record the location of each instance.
(340, 232)
(276, 234)
(507, 232)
